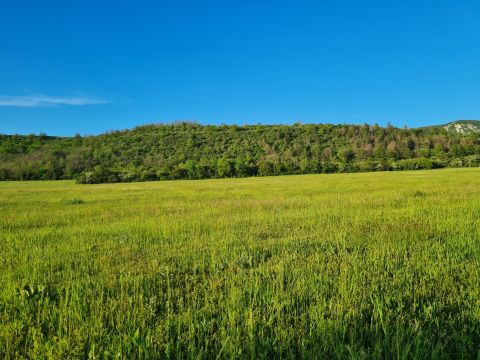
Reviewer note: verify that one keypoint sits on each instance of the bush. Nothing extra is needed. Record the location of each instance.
(5, 174)
(99, 175)
(413, 164)
(472, 161)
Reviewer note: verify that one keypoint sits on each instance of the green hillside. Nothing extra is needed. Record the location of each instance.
(192, 151)
(463, 126)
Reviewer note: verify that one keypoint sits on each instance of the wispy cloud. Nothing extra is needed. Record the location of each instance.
(48, 101)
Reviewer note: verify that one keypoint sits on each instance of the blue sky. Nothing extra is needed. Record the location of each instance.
(88, 67)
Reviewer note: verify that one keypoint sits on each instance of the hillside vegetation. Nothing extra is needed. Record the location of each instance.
(338, 266)
(464, 126)
(192, 151)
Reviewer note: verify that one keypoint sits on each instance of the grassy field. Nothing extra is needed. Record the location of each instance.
(371, 265)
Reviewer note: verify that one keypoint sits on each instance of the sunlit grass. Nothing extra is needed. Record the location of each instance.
(371, 265)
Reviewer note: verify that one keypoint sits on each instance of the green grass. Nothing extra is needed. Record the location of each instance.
(371, 265)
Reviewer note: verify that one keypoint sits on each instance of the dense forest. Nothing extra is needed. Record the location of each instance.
(193, 151)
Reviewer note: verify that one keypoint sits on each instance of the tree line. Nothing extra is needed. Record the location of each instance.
(193, 151)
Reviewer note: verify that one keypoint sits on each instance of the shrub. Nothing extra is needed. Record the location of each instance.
(413, 164)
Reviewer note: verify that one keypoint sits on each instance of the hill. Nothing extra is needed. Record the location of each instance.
(463, 126)
(459, 126)
(193, 151)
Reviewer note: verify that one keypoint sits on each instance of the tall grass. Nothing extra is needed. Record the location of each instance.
(372, 265)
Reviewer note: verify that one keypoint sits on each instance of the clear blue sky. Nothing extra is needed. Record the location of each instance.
(93, 66)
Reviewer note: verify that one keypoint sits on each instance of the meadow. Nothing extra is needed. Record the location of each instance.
(366, 265)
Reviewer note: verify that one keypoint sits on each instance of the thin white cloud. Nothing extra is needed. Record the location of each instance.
(46, 101)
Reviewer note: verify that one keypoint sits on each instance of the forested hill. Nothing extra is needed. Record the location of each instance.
(192, 151)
